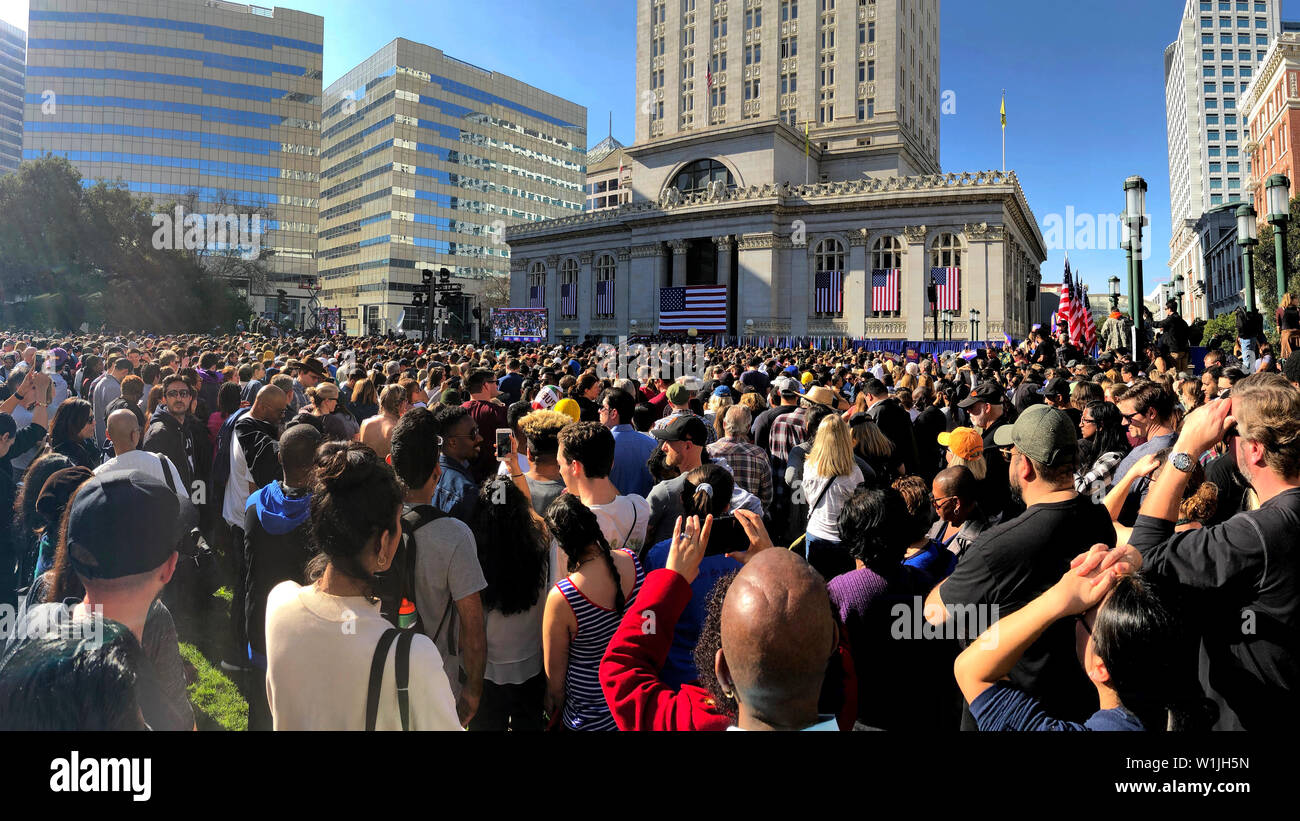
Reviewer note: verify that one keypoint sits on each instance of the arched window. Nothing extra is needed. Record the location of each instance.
(886, 276)
(537, 285)
(945, 271)
(696, 176)
(569, 289)
(605, 269)
(828, 278)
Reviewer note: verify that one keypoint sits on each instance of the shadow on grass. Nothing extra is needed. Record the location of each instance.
(219, 698)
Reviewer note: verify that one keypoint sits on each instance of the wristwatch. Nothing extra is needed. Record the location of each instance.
(1183, 462)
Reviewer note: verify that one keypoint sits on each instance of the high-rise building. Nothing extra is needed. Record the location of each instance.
(425, 160)
(786, 183)
(1219, 47)
(210, 104)
(13, 67)
(863, 75)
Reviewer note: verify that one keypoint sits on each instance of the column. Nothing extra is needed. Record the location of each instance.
(995, 309)
(622, 290)
(723, 246)
(758, 283)
(518, 282)
(915, 306)
(678, 247)
(553, 297)
(857, 286)
(645, 277)
(586, 292)
(800, 268)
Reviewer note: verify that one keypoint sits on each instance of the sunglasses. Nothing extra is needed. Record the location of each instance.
(178, 394)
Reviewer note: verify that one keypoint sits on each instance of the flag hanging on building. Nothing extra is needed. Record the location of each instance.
(708, 78)
(884, 289)
(569, 299)
(947, 283)
(605, 298)
(702, 307)
(537, 296)
(829, 292)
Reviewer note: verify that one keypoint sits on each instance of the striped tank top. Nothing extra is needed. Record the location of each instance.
(585, 707)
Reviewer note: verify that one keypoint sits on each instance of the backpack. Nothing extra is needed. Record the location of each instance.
(395, 587)
(221, 466)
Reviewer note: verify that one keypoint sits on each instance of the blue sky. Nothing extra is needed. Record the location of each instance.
(1084, 85)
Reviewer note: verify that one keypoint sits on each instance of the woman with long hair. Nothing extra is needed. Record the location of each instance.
(152, 401)
(706, 492)
(365, 401)
(91, 368)
(830, 477)
(30, 528)
(1128, 643)
(72, 433)
(515, 556)
(323, 639)
(1103, 427)
(870, 444)
(716, 410)
(228, 403)
(583, 611)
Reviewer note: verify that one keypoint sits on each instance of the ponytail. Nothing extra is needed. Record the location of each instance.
(576, 528)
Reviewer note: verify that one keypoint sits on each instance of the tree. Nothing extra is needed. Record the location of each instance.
(71, 252)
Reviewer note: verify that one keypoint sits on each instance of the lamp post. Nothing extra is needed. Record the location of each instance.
(1114, 292)
(1135, 208)
(749, 328)
(1248, 238)
(1278, 193)
(1178, 292)
(974, 324)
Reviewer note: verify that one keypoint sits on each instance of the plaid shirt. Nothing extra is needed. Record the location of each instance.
(788, 430)
(664, 422)
(748, 464)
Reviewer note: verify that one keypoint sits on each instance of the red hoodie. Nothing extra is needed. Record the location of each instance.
(629, 672)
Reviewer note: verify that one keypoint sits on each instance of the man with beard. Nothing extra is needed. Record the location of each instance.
(1011, 564)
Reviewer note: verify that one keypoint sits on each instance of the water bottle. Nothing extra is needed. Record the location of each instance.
(406, 614)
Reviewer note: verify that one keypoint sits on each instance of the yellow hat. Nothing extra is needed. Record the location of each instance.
(807, 378)
(965, 443)
(569, 408)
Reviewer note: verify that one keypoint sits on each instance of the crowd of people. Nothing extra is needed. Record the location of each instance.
(446, 536)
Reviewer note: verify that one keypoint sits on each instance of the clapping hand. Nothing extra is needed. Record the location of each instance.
(690, 543)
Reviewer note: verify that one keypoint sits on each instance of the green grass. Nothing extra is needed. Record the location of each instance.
(218, 704)
(220, 701)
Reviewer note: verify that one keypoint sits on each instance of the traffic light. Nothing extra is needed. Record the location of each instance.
(444, 275)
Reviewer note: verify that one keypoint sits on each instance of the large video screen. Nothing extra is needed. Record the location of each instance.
(519, 324)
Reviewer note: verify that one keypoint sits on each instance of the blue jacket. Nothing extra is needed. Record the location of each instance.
(456, 493)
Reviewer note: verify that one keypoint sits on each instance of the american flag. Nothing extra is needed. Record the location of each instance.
(1069, 310)
(884, 289)
(1089, 324)
(830, 292)
(702, 307)
(569, 299)
(948, 284)
(708, 78)
(605, 298)
(537, 296)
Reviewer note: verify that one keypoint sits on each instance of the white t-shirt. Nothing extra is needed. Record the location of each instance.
(318, 650)
(237, 484)
(623, 522)
(145, 462)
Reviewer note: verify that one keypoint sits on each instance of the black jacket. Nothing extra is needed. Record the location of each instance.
(261, 448)
(82, 452)
(270, 558)
(896, 424)
(174, 439)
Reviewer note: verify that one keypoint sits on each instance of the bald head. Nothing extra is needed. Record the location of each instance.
(777, 638)
(270, 404)
(122, 427)
(955, 481)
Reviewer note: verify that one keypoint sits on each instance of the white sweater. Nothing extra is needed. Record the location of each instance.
(319, 648)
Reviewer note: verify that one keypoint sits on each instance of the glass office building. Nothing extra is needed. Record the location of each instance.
(195, 101)
(13, 64)
(425, 160)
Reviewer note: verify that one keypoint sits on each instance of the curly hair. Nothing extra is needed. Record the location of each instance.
(512, 548)
(710, 642)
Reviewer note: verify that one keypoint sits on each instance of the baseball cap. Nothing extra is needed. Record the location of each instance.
(1044, 434)
(1056, 387)
(546, 398)
(685, 428)
(722, 391)
(964, 442)
(678, 394)
(787, 386)
(984, 392)
(105, 540)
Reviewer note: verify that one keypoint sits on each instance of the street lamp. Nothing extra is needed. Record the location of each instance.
(1248, 238)
(749, 328)
(1178, 292)
(1114, 292)
(1135, 207)
(974, 324)
(1278, 193)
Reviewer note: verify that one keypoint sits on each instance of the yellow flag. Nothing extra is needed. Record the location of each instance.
(1004, 111)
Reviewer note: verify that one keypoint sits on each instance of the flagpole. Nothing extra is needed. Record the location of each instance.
(1004, 131)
